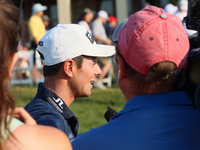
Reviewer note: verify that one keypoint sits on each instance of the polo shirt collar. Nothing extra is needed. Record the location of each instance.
(179, 98)
(55, 101)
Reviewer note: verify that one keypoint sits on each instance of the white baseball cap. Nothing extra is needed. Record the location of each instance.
(38, 7)
(68, 41)
(183, 4)
(103, 14)
(170, 8)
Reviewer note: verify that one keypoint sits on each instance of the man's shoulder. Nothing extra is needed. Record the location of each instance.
(103, 132)
(35, 20)
(39, 107)
(96, 23)
(38, 102)
(44, 113)
(35, 17)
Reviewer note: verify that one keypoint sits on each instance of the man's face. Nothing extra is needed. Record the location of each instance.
(104, 21)
(113, 24)
(89, 17)
(40, 13)
(46, 23)
(83, 77)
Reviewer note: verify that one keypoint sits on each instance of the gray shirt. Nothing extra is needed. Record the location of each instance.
(98, 30)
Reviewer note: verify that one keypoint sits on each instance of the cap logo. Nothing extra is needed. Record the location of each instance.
(41, 43)
(89, 36)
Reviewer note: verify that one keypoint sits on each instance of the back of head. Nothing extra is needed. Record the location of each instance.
(155, 45)
(9, 37)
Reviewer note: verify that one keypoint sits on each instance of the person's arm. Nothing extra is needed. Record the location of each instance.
(106, 41)
(31, 136)
(36, 40)
(96, 32)
(37, 137)
(24, 116)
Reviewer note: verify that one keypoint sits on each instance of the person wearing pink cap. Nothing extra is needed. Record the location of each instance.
(151, 51)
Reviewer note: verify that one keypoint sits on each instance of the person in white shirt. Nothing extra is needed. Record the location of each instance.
(86, 18)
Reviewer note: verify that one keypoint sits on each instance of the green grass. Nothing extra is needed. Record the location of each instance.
(89, 110)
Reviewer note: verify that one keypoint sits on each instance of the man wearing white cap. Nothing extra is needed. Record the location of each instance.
(36, 29)
(99, 34)
(69, 53)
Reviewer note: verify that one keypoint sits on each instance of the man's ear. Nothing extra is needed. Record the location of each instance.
(13, 60)
(69, 66)
(120, 68)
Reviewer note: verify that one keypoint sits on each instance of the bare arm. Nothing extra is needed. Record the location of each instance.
(107, 41)
(36, 40)
(37, 137)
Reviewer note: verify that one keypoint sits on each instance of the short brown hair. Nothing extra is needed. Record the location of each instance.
(53, 70)
(162, 77)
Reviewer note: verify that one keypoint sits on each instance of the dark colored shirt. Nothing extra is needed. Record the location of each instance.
(47, 108)
(162, 121)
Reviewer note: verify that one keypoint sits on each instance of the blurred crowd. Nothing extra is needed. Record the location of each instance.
(99, 24)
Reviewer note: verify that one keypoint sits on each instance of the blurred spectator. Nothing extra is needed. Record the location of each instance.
(99, 34)
(24, 62)
(112, 24)
(46, 21)
(86, 19)
(182, 9)
(36, 30)
(98, 30)
(170, 8)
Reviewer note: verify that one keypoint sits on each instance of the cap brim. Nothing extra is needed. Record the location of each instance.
(43, 8)
(101, 51)
(117, 29)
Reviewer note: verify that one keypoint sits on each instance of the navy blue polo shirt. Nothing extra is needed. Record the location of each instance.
(47, 108)
(162, 121)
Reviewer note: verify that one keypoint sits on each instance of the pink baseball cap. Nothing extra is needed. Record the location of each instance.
(151, 36)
